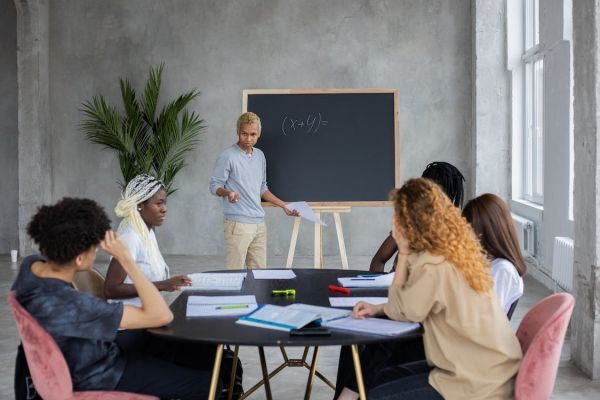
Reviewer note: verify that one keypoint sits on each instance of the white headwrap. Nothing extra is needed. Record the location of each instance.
(138, 190)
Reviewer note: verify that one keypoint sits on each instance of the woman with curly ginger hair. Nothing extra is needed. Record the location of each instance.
(443, 281)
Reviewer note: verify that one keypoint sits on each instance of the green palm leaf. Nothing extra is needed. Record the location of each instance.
(144, 142)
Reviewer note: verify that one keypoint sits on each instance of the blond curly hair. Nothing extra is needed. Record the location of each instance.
(248, 118)
(429, 221)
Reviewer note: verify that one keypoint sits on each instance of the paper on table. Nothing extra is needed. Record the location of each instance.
(211, 306)
(326, 313)
(305, 212)
(351, 301)
(273, 274)
(216, 281)
(381, 281)
(375, 326)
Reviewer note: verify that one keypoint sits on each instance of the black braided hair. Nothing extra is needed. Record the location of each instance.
(68, 228)
(449, 178)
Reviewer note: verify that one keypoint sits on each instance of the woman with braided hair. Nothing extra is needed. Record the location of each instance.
(143, 207)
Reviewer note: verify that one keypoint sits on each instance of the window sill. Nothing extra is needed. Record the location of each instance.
(527, 209)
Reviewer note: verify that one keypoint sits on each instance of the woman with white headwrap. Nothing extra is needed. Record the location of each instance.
(143, 206)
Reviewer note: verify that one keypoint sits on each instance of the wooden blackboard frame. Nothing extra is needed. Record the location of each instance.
(384, 203)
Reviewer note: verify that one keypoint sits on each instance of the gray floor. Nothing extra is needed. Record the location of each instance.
(290, 383)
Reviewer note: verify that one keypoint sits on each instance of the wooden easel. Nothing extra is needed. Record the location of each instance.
(318, 258)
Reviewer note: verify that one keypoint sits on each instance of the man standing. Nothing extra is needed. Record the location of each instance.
(240, 178)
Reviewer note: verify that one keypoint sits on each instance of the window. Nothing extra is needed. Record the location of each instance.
(533, 130)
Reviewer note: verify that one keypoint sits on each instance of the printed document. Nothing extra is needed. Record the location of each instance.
(305, 212)
(215, 306)
(380, 281)
(216, 281)
(375, 326)
(273, 274)
(351, 301)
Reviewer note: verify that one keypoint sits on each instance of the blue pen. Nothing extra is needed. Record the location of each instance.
(368, 276)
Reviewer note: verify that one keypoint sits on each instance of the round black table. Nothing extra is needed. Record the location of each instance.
(311, 287)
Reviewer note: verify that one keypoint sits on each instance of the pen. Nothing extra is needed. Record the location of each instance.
(368, 276)
(232, 306)
(362, 279)
(283, 292)
(339, 289)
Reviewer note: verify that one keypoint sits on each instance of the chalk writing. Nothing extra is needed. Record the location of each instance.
(308, 125)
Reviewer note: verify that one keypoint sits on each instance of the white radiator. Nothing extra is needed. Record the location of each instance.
(525, 232)
(562, 262)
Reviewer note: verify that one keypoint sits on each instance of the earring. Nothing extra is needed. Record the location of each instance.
(139, 208)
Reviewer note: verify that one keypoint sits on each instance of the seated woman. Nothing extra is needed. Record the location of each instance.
(450, 180)
(143, 207)
(85, 327)
(490, 218)
(442, 280)
(380, 355)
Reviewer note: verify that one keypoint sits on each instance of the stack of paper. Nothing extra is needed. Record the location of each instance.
(375, 326)
(379, 281)
(214, 306)
(279, 318)
(216, 281)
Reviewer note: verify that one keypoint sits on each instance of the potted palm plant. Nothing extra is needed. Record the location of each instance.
(146, 141)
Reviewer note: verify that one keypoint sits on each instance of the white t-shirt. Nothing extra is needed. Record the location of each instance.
(134, 243)
(508, 285)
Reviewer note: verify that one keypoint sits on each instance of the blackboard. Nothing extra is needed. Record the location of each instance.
(329, 146)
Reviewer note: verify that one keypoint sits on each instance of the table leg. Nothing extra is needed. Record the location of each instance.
(311, 375)
(263, 365)
(214, 380)
(233, 372)
(357, 369)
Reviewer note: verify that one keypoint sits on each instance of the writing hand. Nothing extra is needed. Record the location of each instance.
(174, 283)
(363, 309)
(233, 197)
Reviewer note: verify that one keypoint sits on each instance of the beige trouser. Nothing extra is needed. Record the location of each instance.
(245, 245)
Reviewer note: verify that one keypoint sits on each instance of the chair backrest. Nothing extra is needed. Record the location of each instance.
(541, 335)
(90, 281)
(512, 309)
(46, 362)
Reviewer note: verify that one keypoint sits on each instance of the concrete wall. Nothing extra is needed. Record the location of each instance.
(222, 47)
(8, 127)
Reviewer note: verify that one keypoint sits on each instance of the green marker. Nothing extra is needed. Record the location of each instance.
(232, 306)
(283, 292)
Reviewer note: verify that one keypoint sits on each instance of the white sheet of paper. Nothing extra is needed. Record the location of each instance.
(351, 301)
(381, 281)
(375, 326)
(305, 212)
(273, 274)
(211, 306)
(216, 281)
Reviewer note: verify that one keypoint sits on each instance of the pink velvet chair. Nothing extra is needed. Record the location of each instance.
(541, 334)
(47, 364)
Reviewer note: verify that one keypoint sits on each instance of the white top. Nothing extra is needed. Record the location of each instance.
(140, 255)
(508, 285)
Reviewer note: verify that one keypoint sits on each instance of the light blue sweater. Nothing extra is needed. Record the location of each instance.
(237, 172)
